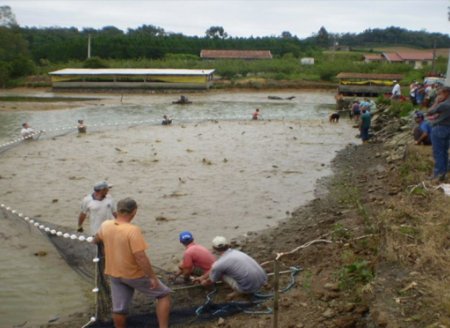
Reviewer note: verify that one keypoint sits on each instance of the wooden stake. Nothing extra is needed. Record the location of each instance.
(276, 283)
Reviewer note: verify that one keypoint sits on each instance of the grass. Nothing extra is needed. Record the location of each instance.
(358, 272)
(415, 227)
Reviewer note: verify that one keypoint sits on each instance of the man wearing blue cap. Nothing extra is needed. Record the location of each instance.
(197, 260)
(99, 206)
(422, 133)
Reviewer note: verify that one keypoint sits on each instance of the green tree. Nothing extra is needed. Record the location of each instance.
(22, 66)
(216, 32)
(7, 17)
(323, 39)
(5, 69)
(94, 62)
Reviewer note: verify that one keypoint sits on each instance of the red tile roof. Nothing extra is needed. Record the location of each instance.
(236, 54)
(400, 56)
(393, 57)
(416, 55)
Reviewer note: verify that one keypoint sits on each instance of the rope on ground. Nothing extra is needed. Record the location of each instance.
(211, 309)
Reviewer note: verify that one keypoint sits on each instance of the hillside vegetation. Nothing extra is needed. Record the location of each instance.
(28, 54)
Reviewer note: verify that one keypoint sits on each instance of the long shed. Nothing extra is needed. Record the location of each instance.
(132, 78)
(364, 84)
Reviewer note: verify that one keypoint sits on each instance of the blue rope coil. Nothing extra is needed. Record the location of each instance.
(209, 309)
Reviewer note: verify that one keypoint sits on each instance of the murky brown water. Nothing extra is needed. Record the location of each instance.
(228, 177)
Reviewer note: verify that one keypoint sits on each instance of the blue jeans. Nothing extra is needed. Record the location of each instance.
(440, 141)
(364, 134)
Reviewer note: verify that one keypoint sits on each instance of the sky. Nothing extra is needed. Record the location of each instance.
(239, 18)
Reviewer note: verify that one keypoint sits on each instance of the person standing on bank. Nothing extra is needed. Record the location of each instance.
(439, 115)
(396, 90)
(129, 267)
(99, 206)
(364, 125)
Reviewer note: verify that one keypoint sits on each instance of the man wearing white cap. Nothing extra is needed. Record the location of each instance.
(99, 206)
(240, 271)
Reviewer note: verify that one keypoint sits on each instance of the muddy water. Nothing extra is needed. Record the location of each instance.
(214, 171)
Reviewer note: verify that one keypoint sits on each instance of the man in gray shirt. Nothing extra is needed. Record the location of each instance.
(240, 271)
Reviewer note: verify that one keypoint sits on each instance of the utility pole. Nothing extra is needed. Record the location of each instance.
(89, 47)
(433, 63)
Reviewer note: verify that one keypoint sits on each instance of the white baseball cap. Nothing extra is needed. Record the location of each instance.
(219, 242)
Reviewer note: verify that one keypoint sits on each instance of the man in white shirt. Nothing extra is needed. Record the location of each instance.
(396, 91)
(27, 132)
(99, 206)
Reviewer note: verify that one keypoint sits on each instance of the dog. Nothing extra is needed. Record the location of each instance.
(334, 118)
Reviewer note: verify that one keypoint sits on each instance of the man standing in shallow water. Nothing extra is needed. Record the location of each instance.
(256, 114)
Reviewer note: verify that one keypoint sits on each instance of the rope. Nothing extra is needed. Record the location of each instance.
(258, 299)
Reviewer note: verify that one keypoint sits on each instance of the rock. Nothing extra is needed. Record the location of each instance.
(221, 322)
(345, 322)
(329, 313)
(331, 286)
(381, 319)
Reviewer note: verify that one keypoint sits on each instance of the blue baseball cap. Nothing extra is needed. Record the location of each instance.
(186, 237)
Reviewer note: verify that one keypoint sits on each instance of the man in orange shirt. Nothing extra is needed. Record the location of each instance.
(129, 267)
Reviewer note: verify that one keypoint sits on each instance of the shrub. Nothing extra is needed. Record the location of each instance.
(94, 62)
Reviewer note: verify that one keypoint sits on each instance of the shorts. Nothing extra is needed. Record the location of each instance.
(122, 291)
(232, 283)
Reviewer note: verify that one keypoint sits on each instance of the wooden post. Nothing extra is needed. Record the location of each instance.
(276, 283)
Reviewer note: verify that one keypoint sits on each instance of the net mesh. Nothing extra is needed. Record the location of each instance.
(190, 303)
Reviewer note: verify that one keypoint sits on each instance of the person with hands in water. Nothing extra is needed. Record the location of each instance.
(197, 259)
(238, 270)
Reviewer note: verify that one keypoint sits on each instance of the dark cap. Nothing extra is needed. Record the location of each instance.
(102, 185)
(126, 205)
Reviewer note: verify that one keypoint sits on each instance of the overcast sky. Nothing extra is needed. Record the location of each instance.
(238, 17)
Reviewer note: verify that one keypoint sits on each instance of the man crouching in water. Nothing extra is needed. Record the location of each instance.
(241, 272)
(129, 267)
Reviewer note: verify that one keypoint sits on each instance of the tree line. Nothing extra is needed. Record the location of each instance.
(28, 50)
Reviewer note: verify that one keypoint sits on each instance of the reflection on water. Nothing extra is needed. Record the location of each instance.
(258, 172)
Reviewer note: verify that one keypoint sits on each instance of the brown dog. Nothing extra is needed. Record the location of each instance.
(334, 118)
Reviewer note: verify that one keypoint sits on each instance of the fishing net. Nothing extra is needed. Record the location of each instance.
(190, 303)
